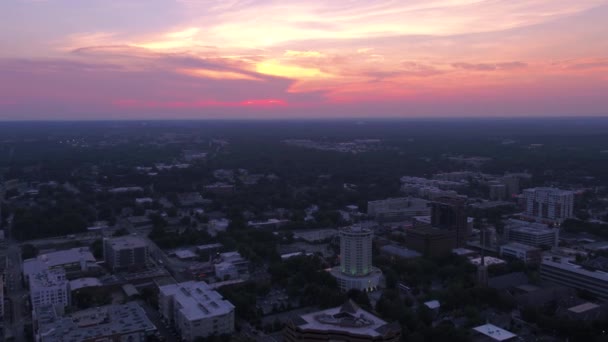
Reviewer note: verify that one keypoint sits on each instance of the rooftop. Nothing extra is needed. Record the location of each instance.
(583, 307)
(97, 323)
(348, 318)
(197, 300)
(400, 251)
(565, 264)
(519, 246)
(58, 258)
(126, 241)
(47, 278)
(494, 332)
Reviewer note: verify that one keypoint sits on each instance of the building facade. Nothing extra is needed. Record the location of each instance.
(449, 214)
(531, 234)
(356, 270)
(196, 310)
(125, 253)
(549, 204)
(560, 270)
(525, 253)
(49, 287)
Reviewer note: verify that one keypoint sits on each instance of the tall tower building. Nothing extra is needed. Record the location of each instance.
(356, 270)
(356, 251)
(449, 214)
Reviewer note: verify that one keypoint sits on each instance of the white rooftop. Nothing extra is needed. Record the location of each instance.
(80, 283)
(197, 300)
(58, 258)
(185, 254)
(494, 332)
(433, 304)
(126, 242)
(583, 307)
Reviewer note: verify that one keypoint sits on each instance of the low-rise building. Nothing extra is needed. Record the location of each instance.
(231, 265)
(347, 323)
(563, 271)
(76, 262)
(195, 310)
(127, 322)
(490, 332)
(528, 254)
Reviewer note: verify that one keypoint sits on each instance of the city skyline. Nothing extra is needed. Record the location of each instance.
(189, 59)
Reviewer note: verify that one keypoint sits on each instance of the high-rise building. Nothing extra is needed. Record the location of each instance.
(125, 252)
(549, 204)
(449, 214)
(356, 270)
(196, 310)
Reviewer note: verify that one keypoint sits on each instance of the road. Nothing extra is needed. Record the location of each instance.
(154, 316)
(15, 292)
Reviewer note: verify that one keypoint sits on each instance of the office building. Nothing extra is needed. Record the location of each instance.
(76, 262)
(125, 253)
(49, 287)
(196, 310)
(449, 214)
(395, 209)
(563, 271)
(356, 270)
(531, 234)
(347, 323)
(525, 253)
(127, 322)
(431, 242)
(548, 204)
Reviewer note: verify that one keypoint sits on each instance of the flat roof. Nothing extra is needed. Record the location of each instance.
(494, 332)
(197, 300)
(58, 258)
(433, 304)
(519, 246)
(80, 283)
(583, 307)
(185, 254)
(563, 264)
(97, 323)
(400, 251)
(127, 241)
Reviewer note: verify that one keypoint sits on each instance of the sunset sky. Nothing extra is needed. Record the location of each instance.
(151, 59)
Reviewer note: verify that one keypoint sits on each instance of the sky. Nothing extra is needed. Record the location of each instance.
(178, 59)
